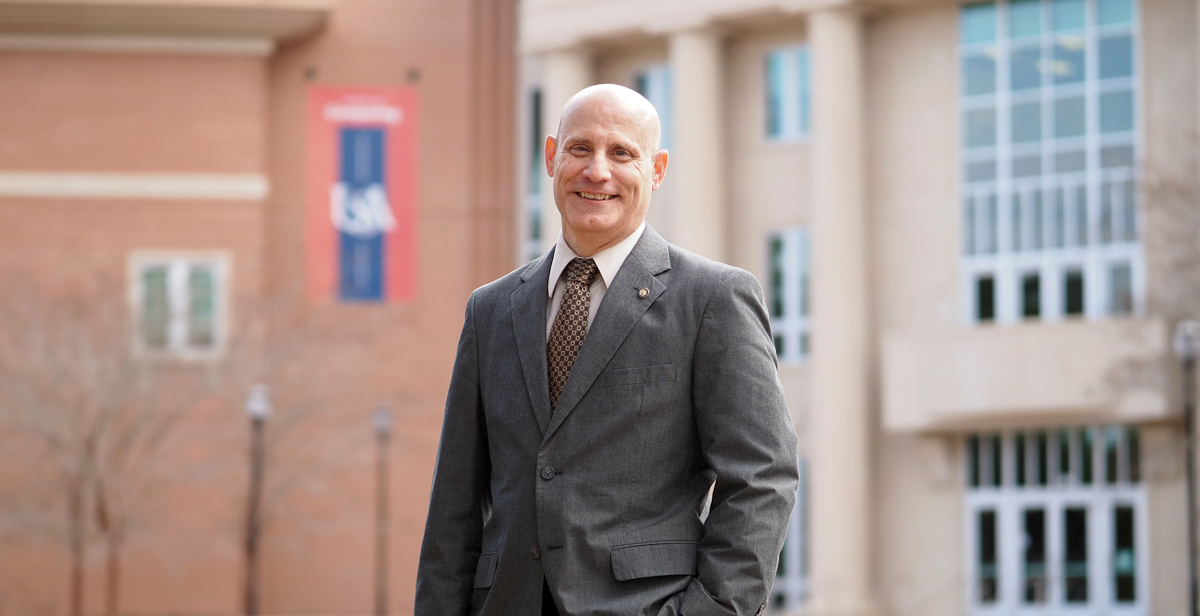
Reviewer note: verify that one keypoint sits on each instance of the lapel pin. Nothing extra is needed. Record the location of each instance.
(643, 293)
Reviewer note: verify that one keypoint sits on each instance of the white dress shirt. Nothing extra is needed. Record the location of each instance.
(608, 260)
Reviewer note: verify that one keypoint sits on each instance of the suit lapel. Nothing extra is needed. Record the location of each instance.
(528, 305)
(620, 310)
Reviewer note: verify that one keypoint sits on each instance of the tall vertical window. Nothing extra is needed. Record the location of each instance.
(1055, 519)
(532, 203)
(791, 576)
(787, 93)
(1049, 128)
(789, 286)
(655, 83)
(178, 304)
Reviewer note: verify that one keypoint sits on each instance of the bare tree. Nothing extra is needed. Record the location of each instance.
(95, 416)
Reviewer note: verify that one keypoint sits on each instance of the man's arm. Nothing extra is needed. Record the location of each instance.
(747, 438)
(461, 491)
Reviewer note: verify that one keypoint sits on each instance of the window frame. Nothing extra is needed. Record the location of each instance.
(1006, 264)
(795, 324)
(1099, 498)
(178, 265)
(796, 97)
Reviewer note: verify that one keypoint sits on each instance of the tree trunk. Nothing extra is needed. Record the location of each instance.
(113, 574)
(75, 520)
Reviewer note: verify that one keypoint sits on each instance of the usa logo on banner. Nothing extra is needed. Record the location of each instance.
(362, 158)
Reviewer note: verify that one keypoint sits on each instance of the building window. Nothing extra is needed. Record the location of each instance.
(789, 285)
(179, 303)
(787, 81)
(1056, 520)
(531, 223)
(655, 83)
(1049, 102)
(791, 576)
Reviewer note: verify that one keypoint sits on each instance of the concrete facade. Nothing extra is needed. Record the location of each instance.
(901, 377)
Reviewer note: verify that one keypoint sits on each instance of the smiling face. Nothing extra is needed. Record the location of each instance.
(605, 163)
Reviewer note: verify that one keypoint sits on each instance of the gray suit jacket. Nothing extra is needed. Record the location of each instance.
(605, 498)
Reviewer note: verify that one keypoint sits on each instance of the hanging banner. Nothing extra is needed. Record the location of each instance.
(362, 158)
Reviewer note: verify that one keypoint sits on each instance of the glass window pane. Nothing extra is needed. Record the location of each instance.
(1116, 111)
(981, 171)
(1035, 556)
(1074, 293)
(1026, 122)
(1068, 59)
(1064, 456)
(1019, 458)
(775, 78)
(201, 307)
(1085, 456)
(1067, 14)
(1075, 565)
(981, 127)
(1038, 220)
(1024, 69)
(1031, 297)
(802, 83)
(1116, 56)
(1024, 17)
(1116, 156)
(1112, 455)
(973, 473)
(1043, 459)
(1134, 453)
(988, 586)
(1027, 166)
(985, 298)
(1115, 12)
(1120, 289)
(979, 74)
(779, 346)
(1124, 561)
(997, 451)
(1066, 162)
(1069, 118)
(978, 23)
(156, 309)
(777, 266)
(536, 164)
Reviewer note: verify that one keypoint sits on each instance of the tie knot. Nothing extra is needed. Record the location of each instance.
(582, 270)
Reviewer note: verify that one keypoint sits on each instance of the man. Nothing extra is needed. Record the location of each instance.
(598, 394)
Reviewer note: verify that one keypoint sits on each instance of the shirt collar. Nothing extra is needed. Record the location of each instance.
(608, 260)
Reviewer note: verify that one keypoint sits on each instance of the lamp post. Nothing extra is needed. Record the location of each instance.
(1187, 346)
(382, 420)
(258, 407)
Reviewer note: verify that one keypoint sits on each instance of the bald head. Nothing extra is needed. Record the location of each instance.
(605, 162)
(619, 101)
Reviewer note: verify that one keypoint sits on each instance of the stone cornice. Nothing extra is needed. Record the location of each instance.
(268, 20)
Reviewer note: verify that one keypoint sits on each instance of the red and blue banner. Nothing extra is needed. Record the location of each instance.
(362, 166)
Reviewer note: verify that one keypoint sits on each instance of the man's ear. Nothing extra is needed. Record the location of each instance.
(660, 168)
(551, 151)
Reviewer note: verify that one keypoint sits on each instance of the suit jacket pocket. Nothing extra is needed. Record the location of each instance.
(640, 374)
(640, 560)
(485, 571)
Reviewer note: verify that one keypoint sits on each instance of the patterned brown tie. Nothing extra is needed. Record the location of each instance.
(570, 324)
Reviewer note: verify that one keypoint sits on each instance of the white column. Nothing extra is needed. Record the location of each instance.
(840, 463)
(695, 168)
(564, 72)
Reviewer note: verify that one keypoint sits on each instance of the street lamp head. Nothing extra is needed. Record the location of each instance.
(382, 419)
(1187, 340)
(258, 403)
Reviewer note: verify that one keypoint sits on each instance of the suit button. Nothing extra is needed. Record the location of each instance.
(535, 552)
(547, 473)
